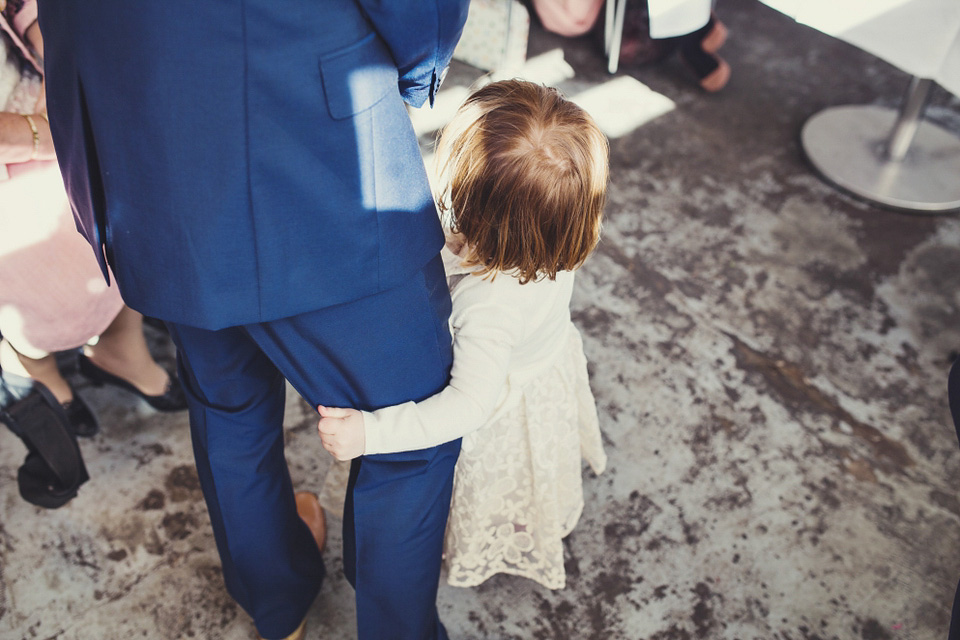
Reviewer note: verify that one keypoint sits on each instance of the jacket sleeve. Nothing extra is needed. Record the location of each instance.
(421, 35)
(482, 350)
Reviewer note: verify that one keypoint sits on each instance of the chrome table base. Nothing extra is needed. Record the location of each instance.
(888, 157)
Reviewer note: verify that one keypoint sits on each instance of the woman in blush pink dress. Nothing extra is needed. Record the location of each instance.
(53, 296)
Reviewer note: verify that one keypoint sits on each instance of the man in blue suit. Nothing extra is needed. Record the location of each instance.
(248, 171)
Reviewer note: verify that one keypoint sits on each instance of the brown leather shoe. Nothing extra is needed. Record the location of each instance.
(310, 511)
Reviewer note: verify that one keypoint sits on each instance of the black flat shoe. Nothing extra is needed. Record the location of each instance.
(83, 422)
(173, 399)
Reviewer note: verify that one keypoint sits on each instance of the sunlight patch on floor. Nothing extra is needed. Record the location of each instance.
(623, 105)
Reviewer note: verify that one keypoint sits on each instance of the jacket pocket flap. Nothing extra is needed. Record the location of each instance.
(357, 77)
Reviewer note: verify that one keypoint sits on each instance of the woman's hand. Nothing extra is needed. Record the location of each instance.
(342, 432)
(17, 142)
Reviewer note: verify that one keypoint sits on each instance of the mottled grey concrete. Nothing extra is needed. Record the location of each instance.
(769, 358)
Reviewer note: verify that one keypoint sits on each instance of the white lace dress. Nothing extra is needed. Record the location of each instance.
(517, 488)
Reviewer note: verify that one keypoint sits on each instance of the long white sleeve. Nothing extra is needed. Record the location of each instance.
(482, 348)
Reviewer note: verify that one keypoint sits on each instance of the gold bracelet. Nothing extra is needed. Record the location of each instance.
(36, 136)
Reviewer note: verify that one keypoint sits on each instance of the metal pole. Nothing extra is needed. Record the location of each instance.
(608, 25)
(908, 119)
(616, 36)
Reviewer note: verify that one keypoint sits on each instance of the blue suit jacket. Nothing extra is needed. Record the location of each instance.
(240, 161)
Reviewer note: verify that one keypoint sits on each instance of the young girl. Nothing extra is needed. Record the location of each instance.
(526, 174)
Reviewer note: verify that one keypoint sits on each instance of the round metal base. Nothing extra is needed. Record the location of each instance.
(847, 145)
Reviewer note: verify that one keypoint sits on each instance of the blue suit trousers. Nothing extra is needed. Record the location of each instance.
(380, 350)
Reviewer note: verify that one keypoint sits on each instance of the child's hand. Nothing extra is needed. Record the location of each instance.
(342, 432)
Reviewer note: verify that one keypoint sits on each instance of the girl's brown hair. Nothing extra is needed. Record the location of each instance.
(525, 174)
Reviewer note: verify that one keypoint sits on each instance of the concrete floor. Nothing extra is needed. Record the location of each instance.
(769, 358)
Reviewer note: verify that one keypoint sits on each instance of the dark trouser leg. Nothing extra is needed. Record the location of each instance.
(271, 564)
(388, 348)
(394, 521)
(955, 617)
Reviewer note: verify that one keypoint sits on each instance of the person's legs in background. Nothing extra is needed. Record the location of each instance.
(19, 373)
(43, 369)
(120, 357)
(699, 51)
(122, 350)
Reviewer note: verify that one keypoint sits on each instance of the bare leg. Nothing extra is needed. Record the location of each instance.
(44, 370)
(122, 350)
